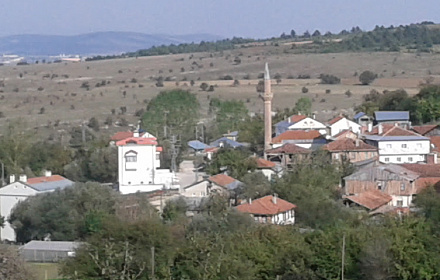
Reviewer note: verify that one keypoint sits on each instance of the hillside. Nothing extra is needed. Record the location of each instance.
(98, 43)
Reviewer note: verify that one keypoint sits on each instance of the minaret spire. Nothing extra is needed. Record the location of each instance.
(267, 97)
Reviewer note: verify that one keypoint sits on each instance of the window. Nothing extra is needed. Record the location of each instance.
(419, 145)
(399, 203)
(387, 159)
(336, 156)
(131, 158)
(410, 159)
(379, 186)
(404, 146)
(157, 156)
(352, 155)
(399, 159)
(402, 186)
(389, 146)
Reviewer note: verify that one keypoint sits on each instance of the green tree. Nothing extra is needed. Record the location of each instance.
(103, 164)
(236, 161)
(304, 106)
(367, 77)
(229, 114)
(178, 110)
(15, 146)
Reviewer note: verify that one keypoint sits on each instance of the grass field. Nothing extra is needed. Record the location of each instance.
(54, 97)
(44, 271)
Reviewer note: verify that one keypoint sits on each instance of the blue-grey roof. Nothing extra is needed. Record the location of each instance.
(227, 142)
(197, 145)
(358, 115)
(232, 186)
(395, 138)
(52, 185)
(391, 115)
(60, 246)
(285, 124)
(233, 133)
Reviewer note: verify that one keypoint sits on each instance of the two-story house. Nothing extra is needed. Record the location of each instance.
(398, 145)
(353, 150)
(270, 210)
(21, 189)
(138, 166)
(309, 139)
(288, 155)
(391, 117)
(219, 184)
(299, 122)
(340, 124)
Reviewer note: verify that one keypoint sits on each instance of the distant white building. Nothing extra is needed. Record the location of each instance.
(21, 189)
(299, 122)
(138, 166)
(340, 124)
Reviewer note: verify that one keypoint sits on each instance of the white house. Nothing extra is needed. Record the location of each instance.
(398, 145)
(16, 191)
(220, 183)
(299, 122)
(270, 210)
(340, 124)
(138, 166)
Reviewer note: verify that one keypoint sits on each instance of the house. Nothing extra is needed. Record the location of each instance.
(391, 117)
(224, 142)
(21, 189)
(138, 166)
(197, 146)
(369, 200)
(341, 123)
(308, 139)
(345, 134)
(231, 135)
(220, 183)
(299, 122)
(122, 135)
(288, 155)
(48, 251)
(210, 151)
(398, 145)
(427, 130)
(270, 210)
(353, 150)
(269, 169)
(401, 182)
(362, 119)
(435, 146)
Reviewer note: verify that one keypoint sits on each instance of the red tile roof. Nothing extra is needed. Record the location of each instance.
(348, 144)
(211, 150)
(289, 148)
(121, 135)
(262, 163)
(334, 120)
(391, 130)
(422, 183)
(221, 179)
(435, 140)
(297, 135)
(159, 149)
(137, 141)
(44, 179)
(296, 118)
(424, 170)
(423, 129)
(370, 199)
(265, 206)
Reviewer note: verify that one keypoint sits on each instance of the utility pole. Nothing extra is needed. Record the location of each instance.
(174, 152)
(152, 263)
(343, 257)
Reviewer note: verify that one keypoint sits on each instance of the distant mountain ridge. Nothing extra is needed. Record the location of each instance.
(97, 43)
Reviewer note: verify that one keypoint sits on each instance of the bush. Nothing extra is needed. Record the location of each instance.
(93, 124)
(304, 76)
(211, 88)
(226, 77)
(328, 91)
(305, 90)
(236, 83)
(348, 93)
(367, 77)
(204, 86)
(329, 79)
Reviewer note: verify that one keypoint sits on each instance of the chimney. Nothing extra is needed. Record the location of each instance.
(136, 132)
(357, 143)
(250, 200)
(23, 178)
(11, 178)
(274, 198)
(370, 126)
(314, 116)
(47, 173)
(379, 129)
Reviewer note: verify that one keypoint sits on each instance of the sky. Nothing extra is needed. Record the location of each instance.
(226, 18)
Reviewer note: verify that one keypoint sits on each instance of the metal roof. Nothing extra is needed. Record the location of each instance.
(284, 124)
(197, 145)
(227, 142)
(395, 138)
(60, 246)
(52, 185)
(391, 115)
(358, 115)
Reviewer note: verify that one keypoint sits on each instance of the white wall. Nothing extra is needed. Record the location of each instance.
(415, 151)
(406, 200)
(198, 190)
(141, 172)
(10, 195)
(344, 124)
(309, 123)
